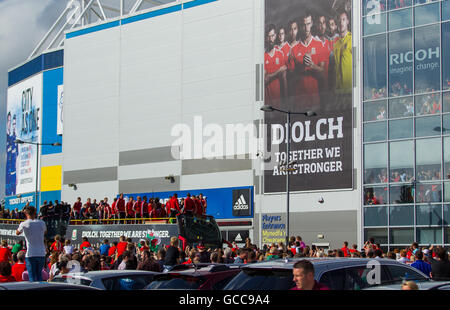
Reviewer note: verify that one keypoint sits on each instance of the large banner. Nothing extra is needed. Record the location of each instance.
(308, 68)
(23, 123)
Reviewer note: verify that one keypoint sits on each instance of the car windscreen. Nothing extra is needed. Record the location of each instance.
(262, 279)
(200, 228)
(72, 280)
(176, 283)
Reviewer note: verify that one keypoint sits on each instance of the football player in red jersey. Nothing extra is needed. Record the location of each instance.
(333, 37)
(326, 50)
(305, 59)
(275, 70)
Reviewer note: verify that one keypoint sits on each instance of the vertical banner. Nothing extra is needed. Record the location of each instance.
(23, 123)
(308, 68)
(60, 109)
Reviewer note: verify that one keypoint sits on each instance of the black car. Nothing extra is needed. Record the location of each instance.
(335, 273)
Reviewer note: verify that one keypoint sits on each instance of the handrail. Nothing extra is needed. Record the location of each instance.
(100, 221)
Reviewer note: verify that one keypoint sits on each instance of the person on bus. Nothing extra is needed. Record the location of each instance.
(189, 205)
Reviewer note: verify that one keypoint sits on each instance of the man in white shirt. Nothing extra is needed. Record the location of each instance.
(34, 231)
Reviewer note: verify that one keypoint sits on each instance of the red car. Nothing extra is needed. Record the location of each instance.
(195, 277)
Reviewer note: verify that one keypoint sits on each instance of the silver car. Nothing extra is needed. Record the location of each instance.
(335, 273)
(428, 285)
(42, 286)
(110, 279)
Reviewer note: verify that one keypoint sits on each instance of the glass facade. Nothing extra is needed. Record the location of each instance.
(406, 122)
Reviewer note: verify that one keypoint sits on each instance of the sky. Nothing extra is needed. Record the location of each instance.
(23, 23)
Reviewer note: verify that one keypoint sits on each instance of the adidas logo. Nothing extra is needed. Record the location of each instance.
(240, 204)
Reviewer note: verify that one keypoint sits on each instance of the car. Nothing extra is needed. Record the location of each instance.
(25, 285)
(429, 285)
(335, 273)
(110, 279)
(195, 277)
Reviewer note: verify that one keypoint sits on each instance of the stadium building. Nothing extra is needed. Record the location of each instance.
(156, 99)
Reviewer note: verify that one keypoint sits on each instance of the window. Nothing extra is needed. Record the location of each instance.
(429, 235)
(446, 54)
(370, 6)
(375, 163)
(334, 279)
(401, 194)
(427, 54)
(400, 273)
(447, 234)
(375, 131)
(446, 158)
(447, 192)
(400, 19)
(400, 63)
(398, 4)
(428, 159)
(428, 126)
(376, 195)
(356, 277)
(379, 234)
(401, 215)
(371, 27)
(402, 235)
(127, 282)
(375, 110)
(401, 129)
(426, 14)
(401, 107)
(446, 214)
(445, 9)
(375, 216)
(375, 67)
(429, 215)
(428, 104)
(428, 193)
(446, 124)
(446, 100)
(401, 161)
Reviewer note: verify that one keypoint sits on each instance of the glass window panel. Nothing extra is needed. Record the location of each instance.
(375, 67)
(375, 216)
(428, 126)
(375, 195)
(372, 7)
(426, 193)
(428, 104)
(400, 19)
(375, 131)
(401, 194)
(446, 214)
(445, 9)
(447, 192)
(446, 55)
(400, 63)
(447, 235)
(429, 215)
(428, 159)
(402, 235)
(401, 107)
(429, 235)
(401, 215)
(379, 234)
(401, 161)
(375, 110)
(375, 163)
(427, 64)
(398, 4)
(446, 102)
(374, 24)
(401, 129)
(447, 158)
(446, 124)
(426, 14)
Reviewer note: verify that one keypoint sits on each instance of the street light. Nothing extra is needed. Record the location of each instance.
(18, 141)
(269, 109)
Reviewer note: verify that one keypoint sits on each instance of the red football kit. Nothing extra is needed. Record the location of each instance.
(286, 49)
(5, 254)
(189, 204)
(307, 83)
(138, 208)
(120, 205)
(57, 247)
(273, 62)
(130, 211)
(77, 206)
(114, 208)
(84, 245)
(17, 270)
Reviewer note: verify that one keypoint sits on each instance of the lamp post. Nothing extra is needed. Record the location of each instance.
(18, 141)
(269, 109)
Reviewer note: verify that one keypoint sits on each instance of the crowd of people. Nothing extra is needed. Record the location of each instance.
(125, 254)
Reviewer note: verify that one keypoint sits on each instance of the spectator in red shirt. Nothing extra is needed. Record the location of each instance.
(5, 252)
(112, 250)
(303, 273)
(19, 267)
(121, 246)
(354, 249)
(345, 249)
(76, 209)
(85, 244)
(5, 272)
(189, 205)
(57, 246)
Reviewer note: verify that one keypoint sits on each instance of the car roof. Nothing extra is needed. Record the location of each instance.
(25, 285)
(93, 275)
(202, 269)
(422, 285)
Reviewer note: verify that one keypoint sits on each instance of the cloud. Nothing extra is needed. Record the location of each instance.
(23, 23)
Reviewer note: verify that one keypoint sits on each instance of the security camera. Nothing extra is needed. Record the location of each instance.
(170, 178)
(321, 200)
(74, 186)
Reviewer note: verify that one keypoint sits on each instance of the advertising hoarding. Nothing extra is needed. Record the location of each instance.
(309, 68)
(24, 110)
